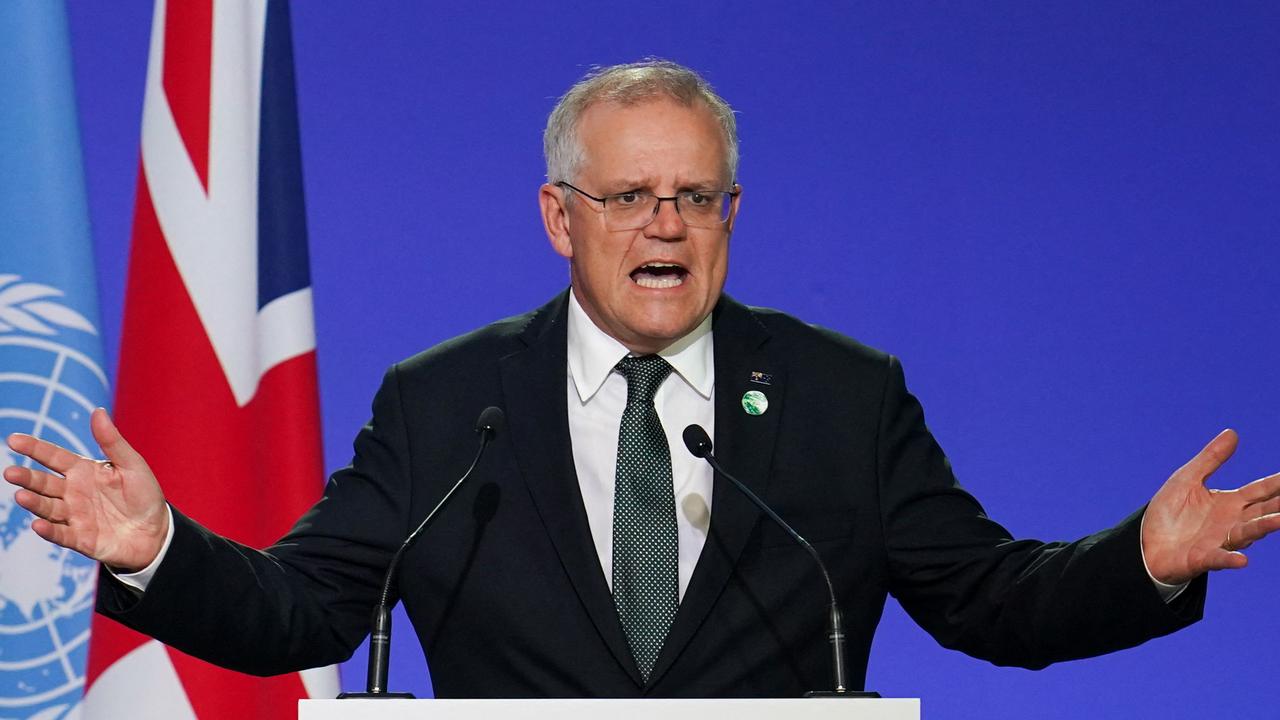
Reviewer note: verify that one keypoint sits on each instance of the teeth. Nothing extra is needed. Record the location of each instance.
(659, 282)
(658, 275)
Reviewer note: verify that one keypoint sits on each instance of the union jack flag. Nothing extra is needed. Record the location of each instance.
(217, 373)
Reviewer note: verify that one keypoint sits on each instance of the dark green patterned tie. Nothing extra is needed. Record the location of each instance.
(645, 568)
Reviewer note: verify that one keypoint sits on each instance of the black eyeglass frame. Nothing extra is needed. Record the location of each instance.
(674, 199)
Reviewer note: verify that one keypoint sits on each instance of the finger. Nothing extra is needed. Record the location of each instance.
(44, 483)
(1209, 459)
(1220, 559)
(57, 534)
(1246, 533)
(1257, 510)
(15, 475)
(51, 509)
(114, 446)
(52, 456)
(1261, 489)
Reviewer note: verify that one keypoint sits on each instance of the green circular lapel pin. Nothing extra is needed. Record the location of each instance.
(754, 402)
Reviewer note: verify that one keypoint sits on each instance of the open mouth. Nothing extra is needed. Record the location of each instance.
(659, 275)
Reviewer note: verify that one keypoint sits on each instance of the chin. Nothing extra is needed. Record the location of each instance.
(658, 322)
(657, 337)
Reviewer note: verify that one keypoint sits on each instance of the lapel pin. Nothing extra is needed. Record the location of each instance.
(761, 377)
(754, 402)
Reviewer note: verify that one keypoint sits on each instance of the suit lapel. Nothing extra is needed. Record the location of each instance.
(533, 382)
(744, 445)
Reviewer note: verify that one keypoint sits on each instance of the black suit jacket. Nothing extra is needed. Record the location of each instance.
(508, 596)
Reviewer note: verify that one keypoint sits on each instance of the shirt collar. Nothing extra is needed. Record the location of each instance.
(593, 354)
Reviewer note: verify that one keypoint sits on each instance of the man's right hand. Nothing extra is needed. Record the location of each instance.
(112, 511)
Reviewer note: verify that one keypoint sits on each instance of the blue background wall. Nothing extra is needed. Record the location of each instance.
(1062, 216)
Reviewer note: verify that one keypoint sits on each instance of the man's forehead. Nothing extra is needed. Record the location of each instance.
(634, 143)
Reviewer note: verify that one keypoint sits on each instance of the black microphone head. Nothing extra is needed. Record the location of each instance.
(490, 421)
(697, 440)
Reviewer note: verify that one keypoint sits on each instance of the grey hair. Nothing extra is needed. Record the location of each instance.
(629, 84)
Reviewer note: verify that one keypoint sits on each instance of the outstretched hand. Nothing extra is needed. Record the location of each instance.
(1190, 529)
(111, 511)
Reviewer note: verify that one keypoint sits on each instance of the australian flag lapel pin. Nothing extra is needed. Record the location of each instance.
(761, 378)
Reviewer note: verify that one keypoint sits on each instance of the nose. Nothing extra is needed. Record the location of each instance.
(667, 223)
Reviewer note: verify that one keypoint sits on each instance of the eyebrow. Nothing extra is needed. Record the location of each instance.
(625, 185)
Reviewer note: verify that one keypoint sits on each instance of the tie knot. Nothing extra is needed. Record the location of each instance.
(644, 374)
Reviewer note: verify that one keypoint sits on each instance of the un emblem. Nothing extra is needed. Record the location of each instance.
(49, 385)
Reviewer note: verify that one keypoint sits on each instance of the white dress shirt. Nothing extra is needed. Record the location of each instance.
(597, 395)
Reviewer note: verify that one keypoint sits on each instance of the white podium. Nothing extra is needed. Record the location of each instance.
(743, 709)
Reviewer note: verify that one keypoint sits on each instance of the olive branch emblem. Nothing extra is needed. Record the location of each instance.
(29, 307)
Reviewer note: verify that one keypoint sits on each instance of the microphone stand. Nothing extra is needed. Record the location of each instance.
(699, 443)
(380, 635)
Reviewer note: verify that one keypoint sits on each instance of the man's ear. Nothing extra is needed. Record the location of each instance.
(737, 205)
(555, 218)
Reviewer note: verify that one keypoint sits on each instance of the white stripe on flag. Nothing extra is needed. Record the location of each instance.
(117, 688)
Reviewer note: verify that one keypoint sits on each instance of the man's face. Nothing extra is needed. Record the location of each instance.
(648, 287)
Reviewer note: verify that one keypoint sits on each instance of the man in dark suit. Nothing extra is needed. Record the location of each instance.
(590, 555)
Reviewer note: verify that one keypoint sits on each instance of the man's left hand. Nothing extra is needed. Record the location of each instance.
(1190, 529)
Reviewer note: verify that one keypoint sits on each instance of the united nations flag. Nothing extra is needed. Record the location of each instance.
(51, 373)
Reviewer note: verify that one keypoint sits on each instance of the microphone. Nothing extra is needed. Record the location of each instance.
(699, 444)
(488, 425)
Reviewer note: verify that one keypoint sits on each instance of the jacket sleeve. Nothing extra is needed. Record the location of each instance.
(974, 588)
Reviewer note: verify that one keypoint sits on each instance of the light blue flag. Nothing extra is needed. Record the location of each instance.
(51, 373)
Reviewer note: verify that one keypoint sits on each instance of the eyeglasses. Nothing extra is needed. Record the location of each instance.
(636, 209)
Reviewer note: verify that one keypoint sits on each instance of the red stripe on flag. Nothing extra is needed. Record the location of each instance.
(188, 57)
